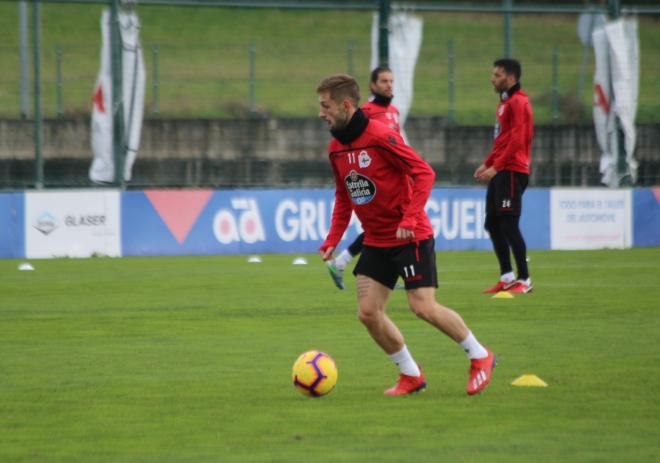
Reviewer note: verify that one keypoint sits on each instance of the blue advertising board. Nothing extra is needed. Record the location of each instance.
(12, 233)
(646, 217)
(535, 218)
(194, 222)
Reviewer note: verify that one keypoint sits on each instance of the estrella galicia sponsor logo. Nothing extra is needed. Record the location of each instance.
(45, 223)
(360, 188)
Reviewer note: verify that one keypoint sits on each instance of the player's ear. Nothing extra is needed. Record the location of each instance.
(347, 104)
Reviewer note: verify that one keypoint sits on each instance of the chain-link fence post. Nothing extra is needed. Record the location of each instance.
(349, 56)
(59, 106)
(24, 59)
(252, 56)
(383, 33)
(118, 136)
(555, 84)
(450, 80)
(155, 55)
(36, 44)
(507, 5)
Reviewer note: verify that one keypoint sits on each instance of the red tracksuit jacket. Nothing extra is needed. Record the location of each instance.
(513, 134)
(388, 115)
(382, 179)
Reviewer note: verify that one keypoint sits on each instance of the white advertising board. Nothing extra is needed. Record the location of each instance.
(590, 218)
(78, 223)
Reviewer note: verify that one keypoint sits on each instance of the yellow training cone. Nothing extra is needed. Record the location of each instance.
(529, 381)
(502, 295)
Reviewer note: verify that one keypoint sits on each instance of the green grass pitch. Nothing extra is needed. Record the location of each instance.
(188, 359)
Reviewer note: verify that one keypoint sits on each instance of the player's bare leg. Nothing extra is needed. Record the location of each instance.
(423, 303)
(372, 297)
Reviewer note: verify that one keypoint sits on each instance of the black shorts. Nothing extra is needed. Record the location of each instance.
(505, 190)
(413, 262)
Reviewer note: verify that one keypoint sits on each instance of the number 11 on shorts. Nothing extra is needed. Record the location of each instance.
(409, 271)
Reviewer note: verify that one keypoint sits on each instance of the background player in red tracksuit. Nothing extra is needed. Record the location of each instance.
(380, 108)
(506, 169)
(387, 184)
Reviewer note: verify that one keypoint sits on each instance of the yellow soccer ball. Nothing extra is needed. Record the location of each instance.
(314, 373)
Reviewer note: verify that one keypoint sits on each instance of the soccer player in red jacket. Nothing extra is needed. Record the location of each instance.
(387, 184)
(506, 170)
(380, 108)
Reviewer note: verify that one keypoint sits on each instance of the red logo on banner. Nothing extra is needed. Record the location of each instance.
(98, 99)
(179, 209)
(656, 192)
(601, 99)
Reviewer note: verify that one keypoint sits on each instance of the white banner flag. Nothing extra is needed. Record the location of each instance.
(133, 83)
(616, 89)
(405, 40)
(103, 165)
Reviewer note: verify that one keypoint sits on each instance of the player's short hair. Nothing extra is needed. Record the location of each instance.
(341, 87)
(510, 66)
(377, 72)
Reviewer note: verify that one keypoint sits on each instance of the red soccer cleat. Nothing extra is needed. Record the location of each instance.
(480, 371)
(499, 286)
(520, 287)
(408, 385)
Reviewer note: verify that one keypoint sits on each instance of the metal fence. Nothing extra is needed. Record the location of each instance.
(245, 64)
(276, 75)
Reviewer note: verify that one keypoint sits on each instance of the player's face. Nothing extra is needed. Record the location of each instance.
(384, 85)
(501, 80)
(334, 114)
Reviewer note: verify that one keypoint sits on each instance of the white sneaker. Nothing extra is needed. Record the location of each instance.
(521, 287)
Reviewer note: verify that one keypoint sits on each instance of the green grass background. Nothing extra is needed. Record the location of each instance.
(203, 60)
(187, 359)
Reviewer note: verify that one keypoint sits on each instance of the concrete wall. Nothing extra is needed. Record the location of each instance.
(269, 152)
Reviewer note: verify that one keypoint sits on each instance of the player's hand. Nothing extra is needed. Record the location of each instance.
(327, 253)
(479, 171)
(487, 174)
(405, 234)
